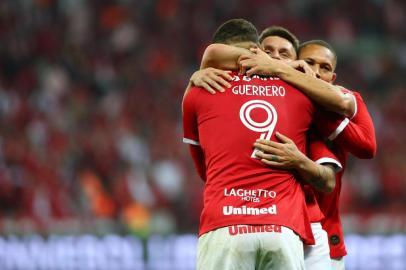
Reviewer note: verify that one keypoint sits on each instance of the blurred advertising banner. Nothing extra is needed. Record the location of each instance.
(172, 252)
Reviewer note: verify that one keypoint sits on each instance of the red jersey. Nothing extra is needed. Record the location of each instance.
(358, 137)
(321, 154)
(240, 189)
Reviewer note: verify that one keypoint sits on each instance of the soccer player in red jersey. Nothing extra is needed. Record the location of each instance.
(242, 196)
(281, 45)
(356, 136)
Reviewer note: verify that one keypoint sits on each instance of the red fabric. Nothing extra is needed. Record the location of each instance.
(329, 205)
(198, 159)
(359, 136)
(216, 123)
(317, 150)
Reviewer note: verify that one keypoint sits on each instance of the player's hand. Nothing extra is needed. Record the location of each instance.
(302, 66)
(212, 79)
(279, 155)
(258, 63)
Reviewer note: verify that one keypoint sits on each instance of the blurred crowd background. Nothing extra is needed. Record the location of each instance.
(90, 99)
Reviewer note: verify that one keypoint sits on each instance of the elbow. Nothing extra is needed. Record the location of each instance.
(345, 104)
(326, 186)
(371, 154)
(326, 182)
(330, 183)
(346, 108)
(210, 55)
(368, 151)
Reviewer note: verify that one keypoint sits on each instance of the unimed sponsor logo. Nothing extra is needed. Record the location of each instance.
(244, 229)
(253, 211)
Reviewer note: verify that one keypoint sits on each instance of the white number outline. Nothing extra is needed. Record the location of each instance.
(267, 127)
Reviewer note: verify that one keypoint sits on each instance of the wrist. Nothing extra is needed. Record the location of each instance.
(301, 162)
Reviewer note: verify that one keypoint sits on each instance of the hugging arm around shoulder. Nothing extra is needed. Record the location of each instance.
(323, 93)
(222, 56)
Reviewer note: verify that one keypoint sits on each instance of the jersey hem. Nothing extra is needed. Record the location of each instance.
(306, 240)
(337, 254)
(190, 141)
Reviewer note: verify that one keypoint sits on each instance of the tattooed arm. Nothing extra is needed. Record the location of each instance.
(285, 155)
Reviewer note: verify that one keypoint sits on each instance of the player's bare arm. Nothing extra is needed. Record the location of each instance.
(285, 155)
(222, 56)
(260, 63)
(323, 93)
(217, 63)
(211, 79)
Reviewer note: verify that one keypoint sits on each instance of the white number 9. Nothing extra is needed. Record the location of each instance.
(267, 127)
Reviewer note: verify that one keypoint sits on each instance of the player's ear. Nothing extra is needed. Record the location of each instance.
(333, 79)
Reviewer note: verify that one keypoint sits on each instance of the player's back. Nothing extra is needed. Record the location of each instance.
(239, 188)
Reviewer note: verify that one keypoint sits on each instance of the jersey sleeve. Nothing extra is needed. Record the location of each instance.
(331, 124)
(358, 136)
(191, 132)
(320, 153)
(189, 116)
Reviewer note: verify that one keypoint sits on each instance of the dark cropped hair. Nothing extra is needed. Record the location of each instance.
(234, 31)
(282, 32)
(320, 43)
